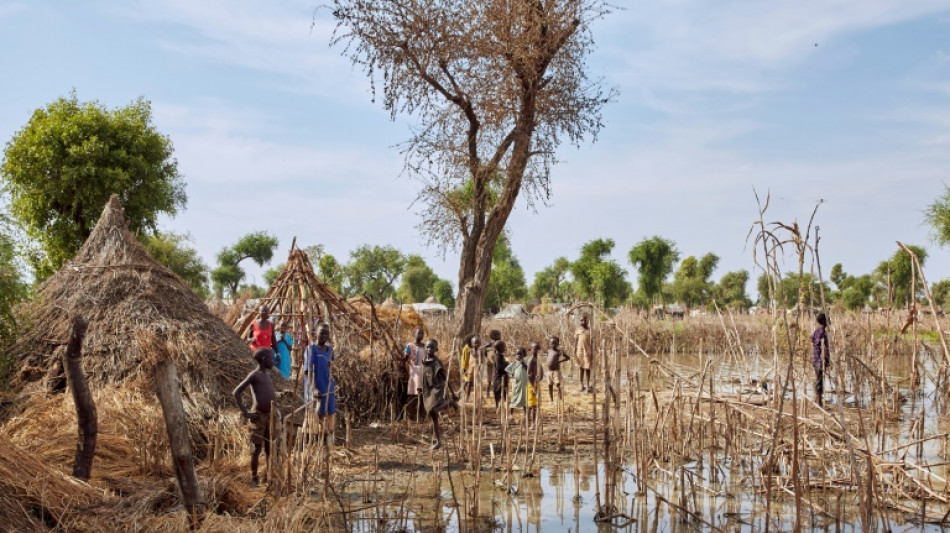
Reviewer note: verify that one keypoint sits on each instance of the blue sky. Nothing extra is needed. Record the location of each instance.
(275, 130)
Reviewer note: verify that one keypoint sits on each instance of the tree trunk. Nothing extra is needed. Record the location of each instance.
(85, 407)
(167, 387)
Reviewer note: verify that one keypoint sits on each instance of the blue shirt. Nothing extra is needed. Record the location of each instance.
(284, 343)
(320, 367)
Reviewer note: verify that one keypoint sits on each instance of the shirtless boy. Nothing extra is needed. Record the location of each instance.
(262, 395)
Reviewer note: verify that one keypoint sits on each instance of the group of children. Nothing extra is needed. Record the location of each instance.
(271, 350)
(518, 382)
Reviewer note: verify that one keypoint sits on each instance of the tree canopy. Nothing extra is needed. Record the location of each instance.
(691, 283)
(176, 252)
(418, 280)
(654, 259)
(597, 276)
(552, 281)
(373, 271)
(896, 273)
(731, 290)
(937, 215)
(258, 247)
(63, 165)
(507, 282)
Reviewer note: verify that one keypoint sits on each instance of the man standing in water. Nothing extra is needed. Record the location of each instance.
(584, 352)
(819, 339)
(262, 395)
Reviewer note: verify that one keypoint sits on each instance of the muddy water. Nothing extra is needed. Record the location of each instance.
(562, 498)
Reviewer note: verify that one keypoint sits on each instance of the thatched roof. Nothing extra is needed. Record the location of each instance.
(122, 292)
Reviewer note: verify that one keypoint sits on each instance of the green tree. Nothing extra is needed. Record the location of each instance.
(258, 247)
(691, 283)
(61, 168)
(898, 269)
(270, 275)
(175, 252)
(332, 273)
(857, 292)
(599, 278)
(653, 258)
(731, 290)
(444, 293)
(507, 282)
(373, 270)
(940, 291)
(787, 296)
(552, 280)
(13, 289)
(417, 280)
(938, 216)
(839, 277)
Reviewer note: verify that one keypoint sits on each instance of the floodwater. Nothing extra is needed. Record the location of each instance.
(561, 498)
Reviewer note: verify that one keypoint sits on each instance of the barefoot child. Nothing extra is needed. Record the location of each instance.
(535, 370)
(435, 393)
(518, 371)
(489, 356)
(414, 354)
(262, 395)
(556, 356)
(319, 356)
(499, 363)
(469, 365)
(584, 352)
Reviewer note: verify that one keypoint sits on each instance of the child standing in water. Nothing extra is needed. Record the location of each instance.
(819, 339)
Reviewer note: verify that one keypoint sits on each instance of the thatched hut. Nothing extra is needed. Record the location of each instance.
(120, 290)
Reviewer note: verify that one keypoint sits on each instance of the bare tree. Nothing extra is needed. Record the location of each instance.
(495, 85)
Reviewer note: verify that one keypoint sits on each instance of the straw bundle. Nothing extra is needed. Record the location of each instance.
(118, 288)
(49, 494)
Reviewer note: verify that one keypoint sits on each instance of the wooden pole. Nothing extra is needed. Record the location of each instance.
(167, 387)
(85, 407)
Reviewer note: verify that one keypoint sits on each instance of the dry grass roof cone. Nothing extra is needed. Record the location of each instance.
(121, 291)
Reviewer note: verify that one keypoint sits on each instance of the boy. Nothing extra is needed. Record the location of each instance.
(414, 354)
(489, 356)
(584, 352)
(556, 356)
(518, 371)
(319, 356)
(818, 339)
(469, 365)
(262, 394)
(435, 395)
(499, 363)
(284, 343)
(534, 381)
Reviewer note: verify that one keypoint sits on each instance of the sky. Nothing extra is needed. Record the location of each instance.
(836, 100)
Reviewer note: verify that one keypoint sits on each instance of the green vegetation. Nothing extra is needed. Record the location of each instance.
(654, 259)
(61, 168)
(175, 252)
(258, 247)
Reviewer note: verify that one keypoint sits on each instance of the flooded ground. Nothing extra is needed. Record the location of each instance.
(714, 489)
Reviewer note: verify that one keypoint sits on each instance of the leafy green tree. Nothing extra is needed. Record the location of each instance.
(653, 258)
(899, 270)
(599, 278)
(61, 168)
(506, 282)
(552, 280)
(787, 296)
(258, 247)
(691, 283)
(444, 293)
(13, 288)
(940, 291)
(857, 292)
(417, 281)
(839, 277)
(938, 216)
(332, 273)
(175, 252)
(373, 270)
(731, 290)
(270, 275)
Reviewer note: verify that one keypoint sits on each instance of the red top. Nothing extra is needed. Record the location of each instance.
(262, 336)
